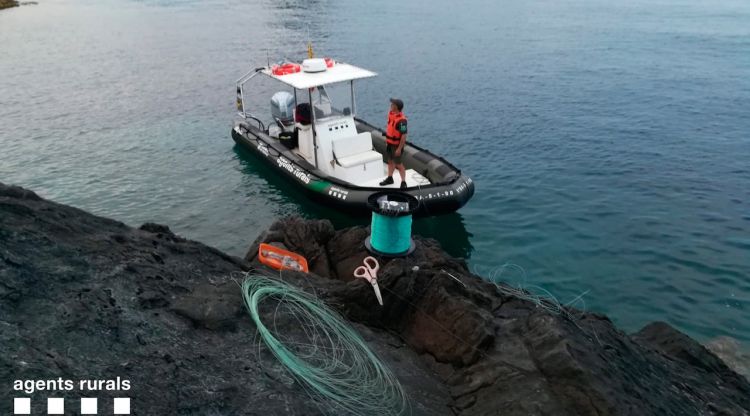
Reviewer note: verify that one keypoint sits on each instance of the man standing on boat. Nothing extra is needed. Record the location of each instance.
(395, 138)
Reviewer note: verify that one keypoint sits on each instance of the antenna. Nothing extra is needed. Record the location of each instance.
(268, 60)
(309, 42)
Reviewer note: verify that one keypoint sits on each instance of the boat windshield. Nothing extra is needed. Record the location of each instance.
(333, 100)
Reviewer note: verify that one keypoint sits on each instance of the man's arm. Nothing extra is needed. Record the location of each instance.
(402, 128)
(401, 144)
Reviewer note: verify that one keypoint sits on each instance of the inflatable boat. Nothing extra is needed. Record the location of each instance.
(315, 139)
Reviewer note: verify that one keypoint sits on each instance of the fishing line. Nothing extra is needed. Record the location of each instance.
(537, 295)
(321, 351)
(332, 363)
(435, 321)
(546, 300)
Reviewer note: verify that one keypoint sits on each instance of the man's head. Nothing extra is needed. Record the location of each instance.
(396, 105)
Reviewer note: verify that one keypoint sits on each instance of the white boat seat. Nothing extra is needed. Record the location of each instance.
(355, 150)
(359, 158)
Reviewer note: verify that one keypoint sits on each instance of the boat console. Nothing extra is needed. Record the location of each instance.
(323, 130)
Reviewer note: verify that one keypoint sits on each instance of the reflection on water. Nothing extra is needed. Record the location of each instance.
(450, 230)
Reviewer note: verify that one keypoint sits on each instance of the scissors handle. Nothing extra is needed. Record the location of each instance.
(362, 272)
(372, 264)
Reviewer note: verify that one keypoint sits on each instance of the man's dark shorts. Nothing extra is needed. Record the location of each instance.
(390, 151)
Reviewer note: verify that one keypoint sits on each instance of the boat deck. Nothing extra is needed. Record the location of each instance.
(413, 178)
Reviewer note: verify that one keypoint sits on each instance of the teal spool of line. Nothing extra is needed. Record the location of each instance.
(390, 230)
(390, 235)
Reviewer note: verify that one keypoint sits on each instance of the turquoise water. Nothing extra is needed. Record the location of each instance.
(609, 143)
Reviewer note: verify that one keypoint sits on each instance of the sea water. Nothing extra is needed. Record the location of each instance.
(609, 142)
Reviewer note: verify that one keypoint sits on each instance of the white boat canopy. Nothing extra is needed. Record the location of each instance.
(337, 73)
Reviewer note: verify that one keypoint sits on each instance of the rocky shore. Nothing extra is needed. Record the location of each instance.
(85, 297)
(4, 4)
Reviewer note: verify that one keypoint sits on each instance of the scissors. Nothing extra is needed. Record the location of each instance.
(369, 272)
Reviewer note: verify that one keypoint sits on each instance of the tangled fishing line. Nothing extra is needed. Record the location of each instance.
(332, 362)
(537, 295)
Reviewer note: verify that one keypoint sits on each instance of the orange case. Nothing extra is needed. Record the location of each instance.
(276, 263)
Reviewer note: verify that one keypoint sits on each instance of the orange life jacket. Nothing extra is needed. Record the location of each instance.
(392, 135)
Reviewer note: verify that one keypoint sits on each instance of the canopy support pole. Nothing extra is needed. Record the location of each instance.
(312, 116)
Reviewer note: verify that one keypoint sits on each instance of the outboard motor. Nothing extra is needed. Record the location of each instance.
(282, 106)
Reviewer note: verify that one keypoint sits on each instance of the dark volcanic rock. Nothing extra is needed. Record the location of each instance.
(504, 354)
(212, 306)
(4, 4)
(732, 353)
(307, 237)
(83, 297)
